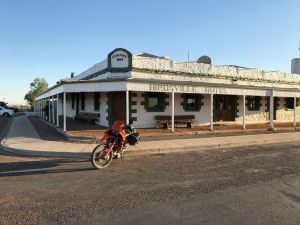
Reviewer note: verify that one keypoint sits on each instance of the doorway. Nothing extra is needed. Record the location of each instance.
(77, 103)
(225, 107)
(118, 106)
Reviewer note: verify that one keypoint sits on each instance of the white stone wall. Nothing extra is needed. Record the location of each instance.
(260, 116)
(103, 109)
(286, 115)
(89, 103)
(147, 119)
(200, 68)
(70, 112)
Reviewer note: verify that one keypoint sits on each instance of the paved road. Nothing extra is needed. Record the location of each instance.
(253, 185)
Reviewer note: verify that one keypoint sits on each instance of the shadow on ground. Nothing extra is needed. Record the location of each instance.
(45, 131)
(25, 168)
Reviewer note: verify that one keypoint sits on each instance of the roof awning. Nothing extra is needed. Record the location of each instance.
(167, 87)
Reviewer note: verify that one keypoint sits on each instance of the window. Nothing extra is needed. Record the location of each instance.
(82, 98)
(191, 102)
(155, 102)
(96, 101)
(253, 103)
(73, 100)
(289, 103)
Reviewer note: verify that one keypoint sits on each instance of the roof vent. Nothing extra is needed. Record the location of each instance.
(204, 59)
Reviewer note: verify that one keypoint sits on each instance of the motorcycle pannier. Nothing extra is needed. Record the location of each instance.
(133, 139)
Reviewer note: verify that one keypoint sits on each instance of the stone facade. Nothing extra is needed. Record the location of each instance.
(137, 75)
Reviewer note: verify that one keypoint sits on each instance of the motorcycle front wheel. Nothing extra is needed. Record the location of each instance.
(97, 157)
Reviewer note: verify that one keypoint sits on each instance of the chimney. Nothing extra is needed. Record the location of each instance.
(72, 74)
(295, 67)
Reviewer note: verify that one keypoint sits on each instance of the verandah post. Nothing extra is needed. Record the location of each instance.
(271, 112)
(65, 111)
(53, 120)
(49, 110)
(244, 112)
(295, 112)
(57, 114)
(172, 108)
(127, 107)
(211, 111)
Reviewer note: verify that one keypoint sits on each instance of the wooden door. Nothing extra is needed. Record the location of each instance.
(225, 107)
(118, 106)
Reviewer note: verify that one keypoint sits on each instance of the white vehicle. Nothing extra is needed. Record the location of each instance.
(6, 112)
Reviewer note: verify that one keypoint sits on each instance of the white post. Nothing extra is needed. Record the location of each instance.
(295, 113)
(244, 112)
(49, 110)
(127, 107)
(211, 112)
(65, 111)
(57, 114)
(37, 108)
(271, 112)
(34, 107)
(172, 108)
(53, 120)
(43, 113)
(40, 109)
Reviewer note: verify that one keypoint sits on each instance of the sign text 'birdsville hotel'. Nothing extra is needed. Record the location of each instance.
(186, 88)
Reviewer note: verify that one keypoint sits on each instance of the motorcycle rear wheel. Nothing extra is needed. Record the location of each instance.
(97, 157)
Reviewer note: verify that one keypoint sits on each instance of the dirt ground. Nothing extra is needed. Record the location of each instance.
(78, 129)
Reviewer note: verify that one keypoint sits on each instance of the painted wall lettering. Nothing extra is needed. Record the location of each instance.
(215, 90)
(186, 89)
(170, 88)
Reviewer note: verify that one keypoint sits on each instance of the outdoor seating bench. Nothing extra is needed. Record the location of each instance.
(180, 119)
(87, 116)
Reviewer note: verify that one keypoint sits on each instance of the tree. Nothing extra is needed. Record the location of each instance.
(38, 86)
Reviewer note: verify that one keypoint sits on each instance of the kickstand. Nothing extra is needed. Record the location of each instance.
(122, 158)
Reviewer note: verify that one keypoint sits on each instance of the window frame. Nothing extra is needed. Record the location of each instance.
(196, 98)
(256, 103)
(73, 100)
(96, 101)
(289, 100)
(161, 106)
(82, 101)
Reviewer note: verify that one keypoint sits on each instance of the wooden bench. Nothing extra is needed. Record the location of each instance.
(183, 119)
(87, 117)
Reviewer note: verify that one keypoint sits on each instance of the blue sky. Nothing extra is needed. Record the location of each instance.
(51, 38)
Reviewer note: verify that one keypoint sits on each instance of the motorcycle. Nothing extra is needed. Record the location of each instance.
(115, 140)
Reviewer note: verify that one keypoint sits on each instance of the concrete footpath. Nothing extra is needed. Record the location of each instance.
(22, 138)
